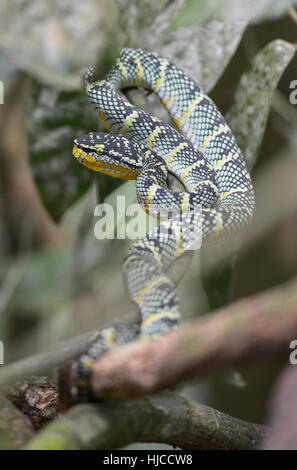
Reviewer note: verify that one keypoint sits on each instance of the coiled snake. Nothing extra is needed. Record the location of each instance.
(203, 155)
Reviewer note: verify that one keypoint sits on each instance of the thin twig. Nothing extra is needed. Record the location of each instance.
(25, 212)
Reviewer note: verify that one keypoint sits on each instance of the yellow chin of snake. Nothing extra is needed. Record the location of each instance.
(111, 169)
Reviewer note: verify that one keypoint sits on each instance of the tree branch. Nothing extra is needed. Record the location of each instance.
(282, 413)
(36, 398)
(253, 328)
(15, 428)
(168, 418)
(24, 208)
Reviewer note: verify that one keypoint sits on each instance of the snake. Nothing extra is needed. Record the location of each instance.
(198, 148)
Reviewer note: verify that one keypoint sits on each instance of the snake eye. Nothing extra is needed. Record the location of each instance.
(99, 148)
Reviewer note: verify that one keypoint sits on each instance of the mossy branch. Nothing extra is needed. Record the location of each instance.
(15, 428)
(164, 418)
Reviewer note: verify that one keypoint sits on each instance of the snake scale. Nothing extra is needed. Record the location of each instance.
(202, 154)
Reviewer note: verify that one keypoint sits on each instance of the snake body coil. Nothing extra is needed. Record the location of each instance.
(203, 155)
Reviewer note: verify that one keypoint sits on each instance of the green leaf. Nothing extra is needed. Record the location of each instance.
(55, 119)
(200, 11)
(202, 48)
(201, 36)
(53, 40)
(248, 114)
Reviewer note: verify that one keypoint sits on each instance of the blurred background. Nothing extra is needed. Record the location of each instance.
(57, 280)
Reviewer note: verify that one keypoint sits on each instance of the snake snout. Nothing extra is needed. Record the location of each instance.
(75, 150)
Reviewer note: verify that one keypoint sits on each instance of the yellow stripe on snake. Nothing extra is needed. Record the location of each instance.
(203, 155)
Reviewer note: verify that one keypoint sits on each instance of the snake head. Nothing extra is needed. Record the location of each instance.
(109, 154)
